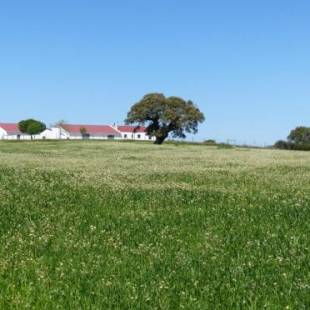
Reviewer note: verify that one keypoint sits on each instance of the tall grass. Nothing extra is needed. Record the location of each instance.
(96, 225)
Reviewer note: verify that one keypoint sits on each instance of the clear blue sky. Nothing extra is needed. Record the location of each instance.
(246, 64)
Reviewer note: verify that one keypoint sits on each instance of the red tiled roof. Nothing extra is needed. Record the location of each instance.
(10, 127)
(90, 129)
(127, 128)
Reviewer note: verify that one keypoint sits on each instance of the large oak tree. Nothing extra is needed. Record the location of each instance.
(165, 115)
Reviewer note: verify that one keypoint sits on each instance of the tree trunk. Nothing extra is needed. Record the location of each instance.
(160, 140)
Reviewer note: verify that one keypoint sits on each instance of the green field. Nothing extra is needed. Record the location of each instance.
(105, 225)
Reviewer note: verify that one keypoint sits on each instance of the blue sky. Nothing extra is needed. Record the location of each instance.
(246, 64)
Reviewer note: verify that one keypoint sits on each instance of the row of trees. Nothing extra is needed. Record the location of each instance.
(298, 139)
(161, 115)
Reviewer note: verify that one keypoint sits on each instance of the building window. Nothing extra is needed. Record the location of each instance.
(18, 137)
(110, 137)
(150, 138)
(139, 136)
(125, 136)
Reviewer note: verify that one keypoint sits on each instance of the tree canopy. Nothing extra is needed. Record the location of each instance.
(164, 115)
(83, 131)
(31, 126)
(300, 135)
(298, 139)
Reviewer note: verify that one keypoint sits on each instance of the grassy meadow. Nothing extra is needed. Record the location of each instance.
(115, 225)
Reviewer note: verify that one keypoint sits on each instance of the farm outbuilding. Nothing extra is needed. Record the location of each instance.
(99, 132)
(133, 132)
(50, 134)
(10, 131)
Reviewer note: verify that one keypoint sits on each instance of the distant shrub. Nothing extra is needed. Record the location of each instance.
(209, 142)
(285, 145)
(224, 146)
(300, 146)
(282, 145)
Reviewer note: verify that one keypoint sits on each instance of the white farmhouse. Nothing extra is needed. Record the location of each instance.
(10, 131)
(134, 133)
(99, 132)
(52, 134)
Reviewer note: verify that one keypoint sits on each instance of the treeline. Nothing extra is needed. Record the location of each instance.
(298, 139)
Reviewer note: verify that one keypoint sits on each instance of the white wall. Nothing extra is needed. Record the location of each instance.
(5, 136)
(93, 138)
(49, 134)
(54, 133)
(65, 135)
(3, 133)
(17, 137)
(136, 136)
(59, 133)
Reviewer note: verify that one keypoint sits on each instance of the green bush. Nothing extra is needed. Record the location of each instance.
(281, 144)
(224, 146)
(301, 146)
(284, 145)
(298, 140)
(209, 142)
